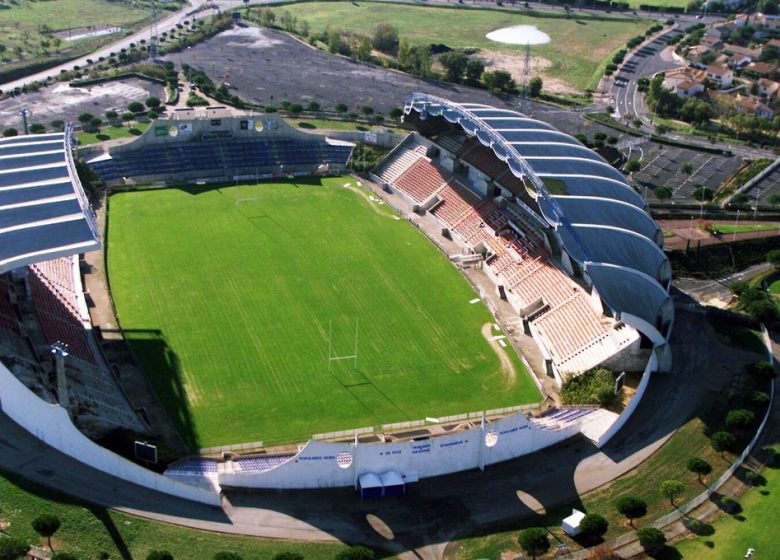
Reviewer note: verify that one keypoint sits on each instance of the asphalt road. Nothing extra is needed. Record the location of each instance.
(643, 62)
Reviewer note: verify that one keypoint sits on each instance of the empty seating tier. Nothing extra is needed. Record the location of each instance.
(54, 298)
(421, 180)
(225, 157)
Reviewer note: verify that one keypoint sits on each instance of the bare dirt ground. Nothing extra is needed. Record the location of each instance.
(515, 64)
(60, 101)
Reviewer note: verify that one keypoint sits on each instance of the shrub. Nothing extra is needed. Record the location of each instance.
(356, 553)
(37, 128)
(159, 555)
(740, 419)
(759, 397)
(534, 541)
(12, 548)
(603, 553)
(593, 526)
(763, 369)
(64, 556)
(592, 387)
(651, 539)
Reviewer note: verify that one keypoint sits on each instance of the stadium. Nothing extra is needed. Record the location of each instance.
(304, 329)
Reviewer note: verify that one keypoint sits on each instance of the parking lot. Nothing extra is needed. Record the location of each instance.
(683, 170)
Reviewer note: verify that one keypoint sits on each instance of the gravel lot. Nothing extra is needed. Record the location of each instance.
(267, 67)
(60, 101)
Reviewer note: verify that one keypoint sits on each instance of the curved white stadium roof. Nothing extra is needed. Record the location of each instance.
(44, 213)
(599, 218)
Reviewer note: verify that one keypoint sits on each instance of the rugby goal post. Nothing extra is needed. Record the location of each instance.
(335, 358)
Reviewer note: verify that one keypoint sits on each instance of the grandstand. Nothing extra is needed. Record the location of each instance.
(214, 145)
(564, 238)
(45, 221)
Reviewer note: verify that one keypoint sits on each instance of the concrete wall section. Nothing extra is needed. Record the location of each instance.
(324, 465)
(51, 424)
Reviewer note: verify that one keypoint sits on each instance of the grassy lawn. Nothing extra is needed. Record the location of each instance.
(324, 124)
(227, 296)
(745, 228)
(579, 45)
(112, 133)
(89, 530)
(752, 528)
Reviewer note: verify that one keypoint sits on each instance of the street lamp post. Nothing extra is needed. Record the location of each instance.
(736, 225)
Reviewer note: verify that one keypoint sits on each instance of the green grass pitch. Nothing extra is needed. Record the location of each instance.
(227, 295)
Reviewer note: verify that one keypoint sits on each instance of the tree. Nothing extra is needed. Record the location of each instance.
(593, 526)
(740, 419)
(662, 192)
(37, 128)
(46, 525)
(632, 166)
(385, 38)
(152, 102)
(313, 106)
(135, 107)
(631, 508)
(12, 549)
(111, 115)
(367, 110)
(159, 555)
(455, 64)
(341, 107)
(773, 258)
(10, 131)
(535, 87)
(722, 442)
(94, 123)
(224, 555)
(651, 539)
(498, 81)
(703, 194)
(395, 113)
(671, 489)
(356, 553)
(534, 541)
(127, 116)
(58, 125)
(699, 466)
(767, 7)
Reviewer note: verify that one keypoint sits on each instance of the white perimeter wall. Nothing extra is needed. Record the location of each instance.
(51, 424)
(652, 366)
(315, 466)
